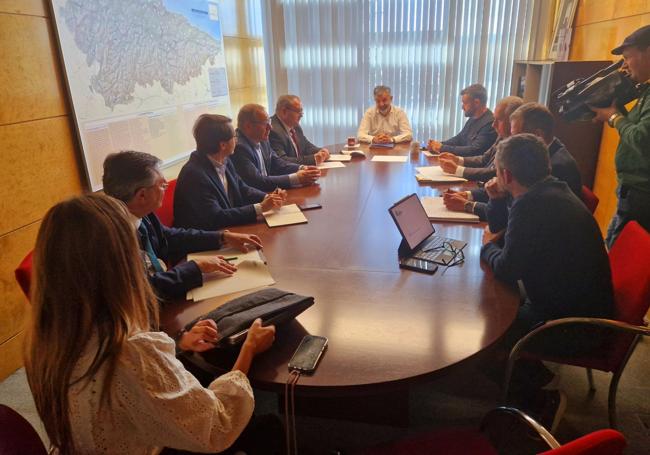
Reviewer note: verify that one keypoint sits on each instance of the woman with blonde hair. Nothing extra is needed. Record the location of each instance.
(102, 380)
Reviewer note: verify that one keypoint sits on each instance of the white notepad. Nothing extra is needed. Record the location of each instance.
(436, 211)
(435, 174)
(252, 272)
(339, 158)
(331, 165)
(285, 215)
(390, 158)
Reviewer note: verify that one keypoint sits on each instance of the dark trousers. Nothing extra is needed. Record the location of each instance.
(264, 435)
(632, 205)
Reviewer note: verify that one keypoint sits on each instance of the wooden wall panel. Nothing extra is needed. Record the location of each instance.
(14, 247)
(30, 7)
(600, 26)
(39, 168)
(30, 81)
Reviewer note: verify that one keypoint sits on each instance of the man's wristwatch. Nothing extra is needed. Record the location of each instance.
(469, 207)
(611, 121)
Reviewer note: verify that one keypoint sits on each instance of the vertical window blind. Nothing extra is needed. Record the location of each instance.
(335, 51)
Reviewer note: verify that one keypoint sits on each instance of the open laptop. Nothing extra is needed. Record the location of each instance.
(418, 241)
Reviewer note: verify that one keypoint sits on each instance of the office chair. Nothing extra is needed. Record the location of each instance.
(630, 263)
(166, 210)
(590, 199)
(504, 431)
(23, 274)
(17, 436)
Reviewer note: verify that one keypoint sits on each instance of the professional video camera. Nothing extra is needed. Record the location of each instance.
(599, 90)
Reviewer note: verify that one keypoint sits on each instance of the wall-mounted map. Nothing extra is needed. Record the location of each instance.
(139, 73)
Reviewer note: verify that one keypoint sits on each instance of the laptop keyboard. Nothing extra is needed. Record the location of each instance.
(433, 249)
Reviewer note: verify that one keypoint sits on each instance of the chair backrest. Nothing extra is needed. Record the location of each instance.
(23, 273)
(166, 210)
(602, 442)
(590, 199)
(17, 436)
(629, 260)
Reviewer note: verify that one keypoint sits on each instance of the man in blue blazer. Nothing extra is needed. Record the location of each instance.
(287, 138)
(135, 179)
(256, 163)
(209, 192)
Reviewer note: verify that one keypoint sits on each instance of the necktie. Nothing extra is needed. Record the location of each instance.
(258, 148)
(148, 248)
(295, 141)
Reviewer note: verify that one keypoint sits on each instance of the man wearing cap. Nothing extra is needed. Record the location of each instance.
(633, 151)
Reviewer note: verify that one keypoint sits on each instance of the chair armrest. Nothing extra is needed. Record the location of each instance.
(516, 351)
(512, 427)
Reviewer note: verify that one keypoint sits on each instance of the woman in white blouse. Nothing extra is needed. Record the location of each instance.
(103, 382)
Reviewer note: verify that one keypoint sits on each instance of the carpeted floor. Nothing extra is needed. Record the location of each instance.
(460, 399)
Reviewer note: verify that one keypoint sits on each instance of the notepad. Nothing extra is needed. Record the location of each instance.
(285, 215)
(331, 165)
(435, 174)
(390, 158)
(339, 158)
(252, 272)
(436, 211)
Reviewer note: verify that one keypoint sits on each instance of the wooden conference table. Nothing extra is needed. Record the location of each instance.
(387, 327)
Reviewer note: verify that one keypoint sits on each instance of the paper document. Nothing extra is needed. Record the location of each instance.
(381, 145)
(339, 158)
(436, 210)
(430, 155)
(285, 215)
(435, 174)
(390, 158)
(252, 272)
(331, 165)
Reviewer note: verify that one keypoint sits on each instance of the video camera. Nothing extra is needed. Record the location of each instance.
(600, 89)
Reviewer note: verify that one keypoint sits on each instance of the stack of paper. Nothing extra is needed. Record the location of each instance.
(435, 174)
(331, 165)
(252, 272)
(390, 158)
(339, 158)
(285, 215)
(436, 211)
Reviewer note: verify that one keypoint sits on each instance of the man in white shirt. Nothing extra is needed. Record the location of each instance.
(384, 123)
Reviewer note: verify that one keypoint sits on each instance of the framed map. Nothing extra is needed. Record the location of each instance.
(139, 73)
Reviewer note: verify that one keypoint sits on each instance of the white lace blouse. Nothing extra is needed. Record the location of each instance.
(156, 403)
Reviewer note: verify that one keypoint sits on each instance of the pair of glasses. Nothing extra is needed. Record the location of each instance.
(297, 111)
(457, 256)
(263, 122)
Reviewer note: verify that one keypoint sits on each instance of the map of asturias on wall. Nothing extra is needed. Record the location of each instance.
(140, 72)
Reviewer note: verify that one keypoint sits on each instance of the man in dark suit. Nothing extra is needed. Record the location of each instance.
(209, 192)
(256, 163)
(135, 179)
(553, 245)
(286, 136)
(528, 118)
(481, 167)
(477, 134)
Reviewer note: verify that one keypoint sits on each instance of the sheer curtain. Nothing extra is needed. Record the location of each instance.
(332, 53)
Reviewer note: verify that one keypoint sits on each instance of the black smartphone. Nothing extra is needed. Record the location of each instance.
(309, 351)
(418, 265)
(304, 207)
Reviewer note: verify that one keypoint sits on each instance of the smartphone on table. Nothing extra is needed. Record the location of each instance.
(308, 354)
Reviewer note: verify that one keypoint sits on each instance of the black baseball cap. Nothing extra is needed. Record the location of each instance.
(641, 37)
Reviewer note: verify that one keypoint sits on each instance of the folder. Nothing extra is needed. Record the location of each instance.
(436, 211)
(284, 216)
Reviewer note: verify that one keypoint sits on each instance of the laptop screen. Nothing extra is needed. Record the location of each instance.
(411, 220)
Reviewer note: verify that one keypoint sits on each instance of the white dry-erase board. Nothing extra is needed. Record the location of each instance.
(139, 73)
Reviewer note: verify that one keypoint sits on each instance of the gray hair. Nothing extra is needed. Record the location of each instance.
(128, 171)
(285, 102)
(381, 89)
(511, 104)
(526, 157)
(247, 113)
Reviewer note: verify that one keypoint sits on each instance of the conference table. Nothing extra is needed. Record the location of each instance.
(387, 327)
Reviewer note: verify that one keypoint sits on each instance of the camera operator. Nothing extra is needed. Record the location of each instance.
(633, 152)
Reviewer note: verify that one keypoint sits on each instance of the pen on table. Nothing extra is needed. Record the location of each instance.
(232, 258)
